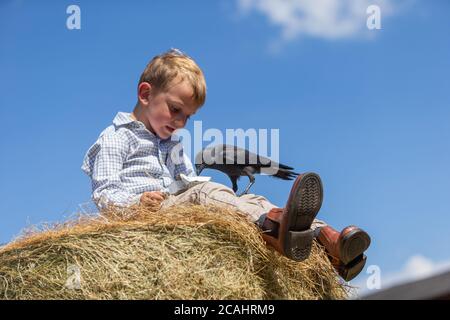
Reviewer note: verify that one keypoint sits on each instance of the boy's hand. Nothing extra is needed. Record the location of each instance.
(152, 198)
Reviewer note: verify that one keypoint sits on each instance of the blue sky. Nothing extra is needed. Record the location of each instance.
(367, 110)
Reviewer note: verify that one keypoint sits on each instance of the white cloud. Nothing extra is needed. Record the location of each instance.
(415, 268)
(418, 267)
(329, 19)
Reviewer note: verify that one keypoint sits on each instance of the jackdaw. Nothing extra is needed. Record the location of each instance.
(236, 162)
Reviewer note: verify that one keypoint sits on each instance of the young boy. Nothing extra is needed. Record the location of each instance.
(131, 163)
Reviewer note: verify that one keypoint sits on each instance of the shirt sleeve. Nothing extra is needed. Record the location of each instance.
(178, 162)
(103, 163)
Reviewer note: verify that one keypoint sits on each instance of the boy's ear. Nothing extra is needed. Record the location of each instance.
(144, 91)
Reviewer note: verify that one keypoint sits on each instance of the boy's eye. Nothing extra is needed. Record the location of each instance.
(173, 109)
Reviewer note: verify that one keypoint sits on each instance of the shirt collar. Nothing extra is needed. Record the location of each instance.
(124, 118)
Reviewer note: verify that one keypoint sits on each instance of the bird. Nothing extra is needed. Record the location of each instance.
(236, 162)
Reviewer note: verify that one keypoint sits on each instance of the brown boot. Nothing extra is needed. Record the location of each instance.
(351, 270)
(345, 249)
(288, 230)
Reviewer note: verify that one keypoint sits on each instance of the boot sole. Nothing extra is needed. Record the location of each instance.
(350, 271)
(301, 210)
(353, 245)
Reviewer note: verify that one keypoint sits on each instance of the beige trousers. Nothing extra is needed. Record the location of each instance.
(212, 193)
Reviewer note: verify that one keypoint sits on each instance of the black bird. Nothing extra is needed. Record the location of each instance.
(236, 162)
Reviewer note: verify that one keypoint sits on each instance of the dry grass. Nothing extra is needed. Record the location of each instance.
(190, 252)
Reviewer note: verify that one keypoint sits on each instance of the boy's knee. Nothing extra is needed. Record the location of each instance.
(210, 186)
(209, 192)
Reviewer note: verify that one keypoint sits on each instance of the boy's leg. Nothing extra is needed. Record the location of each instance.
(212, 193)
(345, 249)
(254, 206)
(316, 225)
(289, 230)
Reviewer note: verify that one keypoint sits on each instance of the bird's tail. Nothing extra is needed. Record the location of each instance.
(285, 172)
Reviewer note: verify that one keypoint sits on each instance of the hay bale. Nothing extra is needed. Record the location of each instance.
(191, 252)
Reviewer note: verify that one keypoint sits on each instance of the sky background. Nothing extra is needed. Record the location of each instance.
(369, 110)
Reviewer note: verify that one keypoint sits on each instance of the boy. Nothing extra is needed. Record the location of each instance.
(131, 163)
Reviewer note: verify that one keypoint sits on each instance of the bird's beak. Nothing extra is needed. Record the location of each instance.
(199, 168)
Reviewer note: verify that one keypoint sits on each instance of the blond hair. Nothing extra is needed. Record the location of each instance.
(163, 69)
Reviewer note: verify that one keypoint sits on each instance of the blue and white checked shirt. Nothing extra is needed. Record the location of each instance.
(128, 160)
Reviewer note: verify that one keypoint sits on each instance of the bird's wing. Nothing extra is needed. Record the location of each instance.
(239, 156)
(233, 156)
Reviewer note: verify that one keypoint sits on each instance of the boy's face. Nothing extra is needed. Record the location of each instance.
(165, 111)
